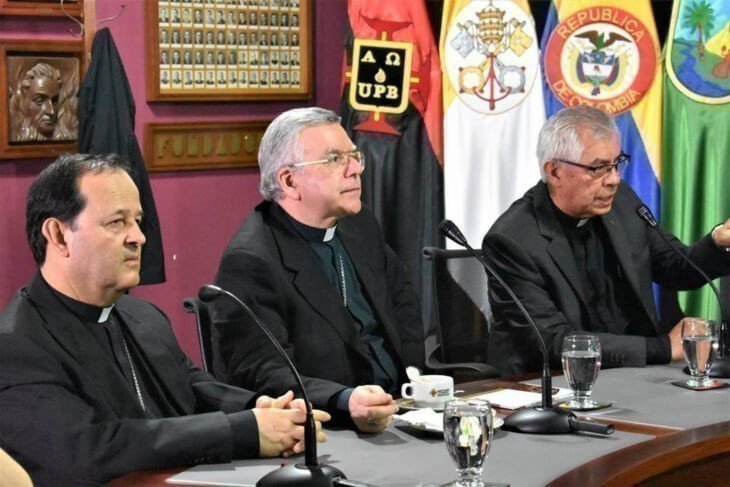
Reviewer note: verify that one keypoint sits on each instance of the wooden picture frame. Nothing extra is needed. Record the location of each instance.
(228, 50)
(38, 104)
(48, 8)
(190, 146)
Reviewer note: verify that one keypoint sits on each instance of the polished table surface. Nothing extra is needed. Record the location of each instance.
(653, 417)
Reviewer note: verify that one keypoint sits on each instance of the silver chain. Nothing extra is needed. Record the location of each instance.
(342, 279)
(134, 374)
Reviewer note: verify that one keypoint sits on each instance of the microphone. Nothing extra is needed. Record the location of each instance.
(721, 364)
(544, 419)
(311, 473)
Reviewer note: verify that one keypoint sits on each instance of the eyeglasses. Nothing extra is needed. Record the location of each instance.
(337, 158)
(602, 169)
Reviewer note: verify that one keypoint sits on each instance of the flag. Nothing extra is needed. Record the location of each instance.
(697, 129)
(391, 108)
(605, 53)
(493, 111)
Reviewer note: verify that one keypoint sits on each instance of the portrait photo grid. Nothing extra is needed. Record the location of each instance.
(229, 44)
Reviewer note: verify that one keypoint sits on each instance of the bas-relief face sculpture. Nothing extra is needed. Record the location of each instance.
(34, 106)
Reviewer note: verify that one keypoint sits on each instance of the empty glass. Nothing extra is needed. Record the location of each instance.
(468, 434)
(581, 363)
(699, 342)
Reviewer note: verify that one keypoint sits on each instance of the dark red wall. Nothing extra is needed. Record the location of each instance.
(199, 211)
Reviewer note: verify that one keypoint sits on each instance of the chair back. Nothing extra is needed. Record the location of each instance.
(460, 325)
(203, 324)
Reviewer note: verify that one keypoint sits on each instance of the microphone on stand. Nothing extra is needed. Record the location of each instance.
(543, 419)
(311, 472)
(721, 364)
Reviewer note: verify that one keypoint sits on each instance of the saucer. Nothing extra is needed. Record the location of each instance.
(430, 421)
(595, 405)
(410, 405)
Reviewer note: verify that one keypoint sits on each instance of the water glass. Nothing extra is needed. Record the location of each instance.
(699, 342)
(581, 363)
(468, 434)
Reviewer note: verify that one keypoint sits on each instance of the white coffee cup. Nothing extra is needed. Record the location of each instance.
(428, 391)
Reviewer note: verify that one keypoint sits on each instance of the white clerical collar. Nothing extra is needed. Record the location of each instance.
(582, 222)
(104, 315)
(329, 234)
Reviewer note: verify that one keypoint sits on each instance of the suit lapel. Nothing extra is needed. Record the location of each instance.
(310, 281)
(373, 283)
(558, 246)
(104, 379)
(158, 360)
(617, 235)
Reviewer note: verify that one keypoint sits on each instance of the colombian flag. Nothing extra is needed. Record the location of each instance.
(605, 53)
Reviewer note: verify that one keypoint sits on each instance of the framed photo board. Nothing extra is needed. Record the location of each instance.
(204, 50)
(38, 105)
(41, 7)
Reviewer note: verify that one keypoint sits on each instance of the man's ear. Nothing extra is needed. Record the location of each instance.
(55, 232)
(288, 183)
(551, 173)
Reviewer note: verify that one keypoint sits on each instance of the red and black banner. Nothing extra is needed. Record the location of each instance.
(392, 110)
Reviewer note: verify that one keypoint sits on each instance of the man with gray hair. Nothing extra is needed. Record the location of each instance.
(312, 263)
(575, 252)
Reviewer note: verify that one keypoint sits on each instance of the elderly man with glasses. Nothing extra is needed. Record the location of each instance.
(312, 263)
(581, 260)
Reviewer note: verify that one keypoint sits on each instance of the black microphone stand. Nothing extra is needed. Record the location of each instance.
(543, 419)
(721, 365)
(311, 472)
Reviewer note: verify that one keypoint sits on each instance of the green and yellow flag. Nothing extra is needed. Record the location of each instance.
(696, 129)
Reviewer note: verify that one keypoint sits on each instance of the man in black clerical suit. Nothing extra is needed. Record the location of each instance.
(92, 381)
(581, 260)
(313, 264)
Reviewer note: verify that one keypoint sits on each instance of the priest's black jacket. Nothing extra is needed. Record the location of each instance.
(530, 250)
(272, 268)
(68, 416)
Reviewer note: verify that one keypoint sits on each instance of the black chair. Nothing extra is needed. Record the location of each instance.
(461, 328)
(203, 324)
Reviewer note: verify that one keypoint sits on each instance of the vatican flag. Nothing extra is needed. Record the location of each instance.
(493, 111)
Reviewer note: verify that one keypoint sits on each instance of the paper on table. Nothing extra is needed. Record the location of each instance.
(516, 399)
(426, 418)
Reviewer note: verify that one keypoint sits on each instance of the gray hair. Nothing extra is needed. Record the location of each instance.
(560, 137)
(280, 144)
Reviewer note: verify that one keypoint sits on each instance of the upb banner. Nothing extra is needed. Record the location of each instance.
(391, 108)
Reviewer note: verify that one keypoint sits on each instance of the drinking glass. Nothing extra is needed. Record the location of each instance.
(581, 362)
(699, 342)
(468, 434)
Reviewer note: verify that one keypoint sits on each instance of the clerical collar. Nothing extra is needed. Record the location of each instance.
(87, 312)
(312, 234)
(567, 220)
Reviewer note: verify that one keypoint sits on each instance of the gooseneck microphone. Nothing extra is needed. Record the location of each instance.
(544, 419)
(721, 364)
(311, 473)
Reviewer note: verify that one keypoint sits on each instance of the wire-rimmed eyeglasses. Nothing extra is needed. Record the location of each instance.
(338, 158)
(602, 169)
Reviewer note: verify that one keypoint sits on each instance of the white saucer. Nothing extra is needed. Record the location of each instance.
(409, 405)
(427, 420)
